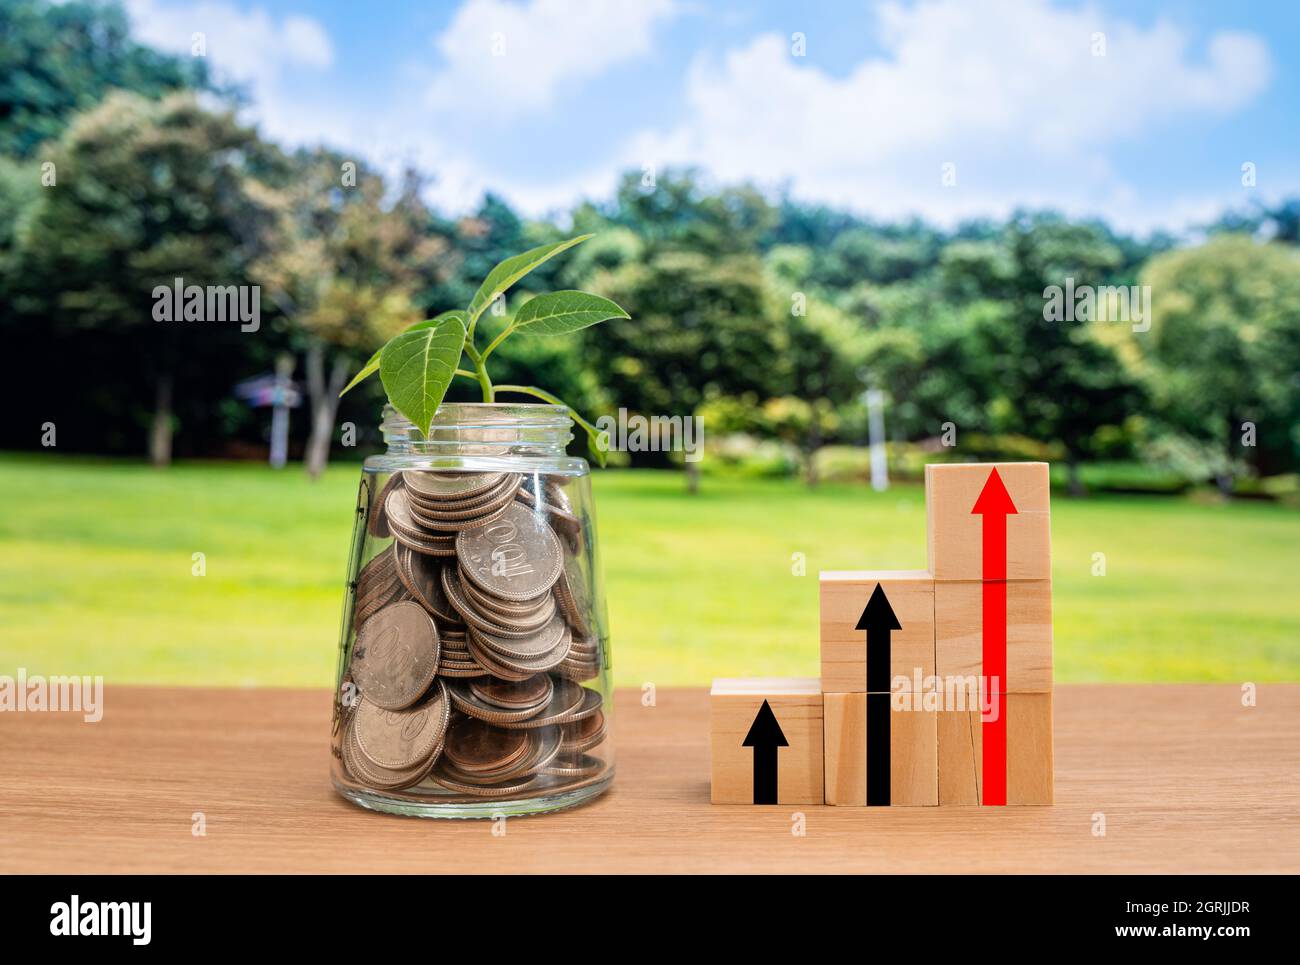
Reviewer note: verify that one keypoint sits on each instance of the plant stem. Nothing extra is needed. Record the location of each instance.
(480, 370)
(497, 341)
(484, 382)
(553, 400)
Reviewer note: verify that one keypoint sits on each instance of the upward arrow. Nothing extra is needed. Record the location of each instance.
(879, 621)
(765, 737)
(995, 505)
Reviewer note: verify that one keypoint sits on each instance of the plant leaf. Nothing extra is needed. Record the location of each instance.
(417, 366)
(593, 443)
(558, 313)
(371, 367)
(367, 370)
(500, 278)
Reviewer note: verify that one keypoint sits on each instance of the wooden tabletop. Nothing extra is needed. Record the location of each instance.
(1186, 777)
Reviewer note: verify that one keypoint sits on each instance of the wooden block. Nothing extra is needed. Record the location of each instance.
(961, 763)
(1029, 748)
(766, 739)
(846, 748)
(955, 534)
(912, 750)
(844, 596)
(1029, 752)
(959, 633)
(914, 759)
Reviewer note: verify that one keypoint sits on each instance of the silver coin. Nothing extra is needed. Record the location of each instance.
(573, 595)
(368, 773)
(542, 643)
(378, 522)
(408, 532)
(395, 656)
(515, 557)
(450, 485)
(566, 700)
(422, 575)
(402, 739)
(445, 527)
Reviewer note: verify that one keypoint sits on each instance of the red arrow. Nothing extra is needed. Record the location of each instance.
(995, 505)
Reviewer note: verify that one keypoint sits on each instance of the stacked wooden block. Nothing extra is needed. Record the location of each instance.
(936, 685)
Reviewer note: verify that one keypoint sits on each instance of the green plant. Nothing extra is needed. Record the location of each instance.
(417, 365)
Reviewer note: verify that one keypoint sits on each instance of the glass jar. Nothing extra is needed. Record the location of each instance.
(473, 676)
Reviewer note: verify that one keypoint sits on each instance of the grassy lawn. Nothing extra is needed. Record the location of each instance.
(96, 557)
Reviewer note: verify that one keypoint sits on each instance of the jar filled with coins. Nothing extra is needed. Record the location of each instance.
(473, 674)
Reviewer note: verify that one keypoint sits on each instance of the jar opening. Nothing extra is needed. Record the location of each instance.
(482, 428)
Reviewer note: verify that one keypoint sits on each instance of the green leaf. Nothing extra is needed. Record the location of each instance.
(417, 366)
(371, 367)
(500, 278)
(593, 443)
(367, 370)
(559, 313)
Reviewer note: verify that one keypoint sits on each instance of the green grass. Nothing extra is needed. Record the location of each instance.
(96, 559)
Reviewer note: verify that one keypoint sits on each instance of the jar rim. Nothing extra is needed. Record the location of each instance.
(486, 415)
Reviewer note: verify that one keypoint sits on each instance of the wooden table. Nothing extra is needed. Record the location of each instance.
(1187, 778)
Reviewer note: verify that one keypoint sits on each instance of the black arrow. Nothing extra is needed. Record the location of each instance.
(879, 621)
(765, 737)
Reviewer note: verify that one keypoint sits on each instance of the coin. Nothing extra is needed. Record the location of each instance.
(582, 765)
(450, 524)
(395, 656)
(473, 745)
(475, 617)
(378, 523)
(422, 576)
(402, 739)
(408, 532)
(573, 595)
(510, 788)
(374, 775)
(479, 503)
(567, 699)
(450, 485)
(376, 586)
(583, 735)
(564, 522)
(468, 701)
(534, 692)
(516, 557)
(535, 646)
(517, 668)
(525, 615)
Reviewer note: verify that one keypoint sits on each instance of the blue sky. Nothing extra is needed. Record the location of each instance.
(1141, 112)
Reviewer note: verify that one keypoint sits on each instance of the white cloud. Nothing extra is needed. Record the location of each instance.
(249, 46)
(503, 59)
(1007, 90)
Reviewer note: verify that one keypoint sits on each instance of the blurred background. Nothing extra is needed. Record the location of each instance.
(802, 208)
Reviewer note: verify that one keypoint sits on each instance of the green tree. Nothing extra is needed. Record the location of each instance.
(147, 192)
(1224, 348)
(343, 267)
(1053, 380)
(57, 59)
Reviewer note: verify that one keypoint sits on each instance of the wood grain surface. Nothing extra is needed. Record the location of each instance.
(1186, 777)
